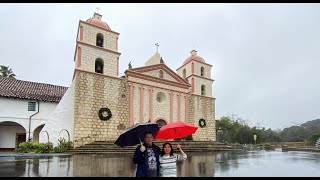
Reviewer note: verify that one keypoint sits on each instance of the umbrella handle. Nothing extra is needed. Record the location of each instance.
(139, 137)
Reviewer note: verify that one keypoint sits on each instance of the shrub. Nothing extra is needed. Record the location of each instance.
(33, 146)
(64, 145)
(189, 138)
(45, 148)
(24, 147)
(56, 150)
(312, 139)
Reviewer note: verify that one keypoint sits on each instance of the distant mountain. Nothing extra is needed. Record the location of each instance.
(302, 132)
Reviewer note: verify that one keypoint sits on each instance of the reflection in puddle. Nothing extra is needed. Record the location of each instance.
(107, 165)
(242, 163)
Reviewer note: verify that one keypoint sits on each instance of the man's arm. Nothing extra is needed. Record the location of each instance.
(138, 156)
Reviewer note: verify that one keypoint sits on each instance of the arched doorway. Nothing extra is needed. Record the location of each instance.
(36, 133)
(161, 122)
(11, 134)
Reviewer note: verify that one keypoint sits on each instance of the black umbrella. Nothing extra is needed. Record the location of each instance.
(134, 134)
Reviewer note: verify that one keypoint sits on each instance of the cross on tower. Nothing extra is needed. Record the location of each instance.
(157, 46)
(98, 9)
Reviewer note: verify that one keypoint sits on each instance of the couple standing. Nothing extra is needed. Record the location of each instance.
(152, 162)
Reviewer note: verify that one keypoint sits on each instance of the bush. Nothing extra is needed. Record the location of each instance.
(56, 150)
(24, 147)
(187, 138)
(312, 139)
(33, 146)
(36, 147)
(64, 145)
(44, 148)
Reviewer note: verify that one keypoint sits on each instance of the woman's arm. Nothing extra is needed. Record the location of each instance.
(183, 155)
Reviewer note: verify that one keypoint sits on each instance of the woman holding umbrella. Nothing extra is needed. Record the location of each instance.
(168, 166)
(168, 160)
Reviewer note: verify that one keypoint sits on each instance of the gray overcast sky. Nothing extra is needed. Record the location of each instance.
(265, 57)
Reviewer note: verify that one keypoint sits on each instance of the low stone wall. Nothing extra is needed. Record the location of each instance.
(290, 144)
(301, 149)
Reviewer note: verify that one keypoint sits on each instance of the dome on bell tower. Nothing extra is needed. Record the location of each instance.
(96, 21)
(193, 56)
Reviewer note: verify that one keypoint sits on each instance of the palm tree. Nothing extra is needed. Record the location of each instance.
(6, 72)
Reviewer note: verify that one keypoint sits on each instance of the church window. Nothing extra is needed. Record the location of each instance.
(99, 41)
(99, 66)
(203, 90)
(161, 74)
(184, 73)
(202, 71)
(160, 97)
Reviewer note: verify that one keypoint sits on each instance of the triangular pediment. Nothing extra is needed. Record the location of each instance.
(153, 71)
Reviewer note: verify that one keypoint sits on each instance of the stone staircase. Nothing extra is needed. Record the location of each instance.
(102, 147)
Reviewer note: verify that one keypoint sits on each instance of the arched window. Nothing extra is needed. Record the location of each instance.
(184, 73)
(99, 66)
(202, 71)
(203, 90)
(161, 74)
(99, 41)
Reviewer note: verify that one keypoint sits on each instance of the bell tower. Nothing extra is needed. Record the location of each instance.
(198, 73)
(201, 103)
(99, 93)
(97, 47)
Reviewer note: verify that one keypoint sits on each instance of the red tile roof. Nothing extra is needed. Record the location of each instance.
(10, 87)
(99, 23)
(194, 57)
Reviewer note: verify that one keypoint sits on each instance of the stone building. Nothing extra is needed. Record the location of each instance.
(100, 104)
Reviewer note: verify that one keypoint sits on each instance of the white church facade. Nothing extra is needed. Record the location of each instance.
(100, 104)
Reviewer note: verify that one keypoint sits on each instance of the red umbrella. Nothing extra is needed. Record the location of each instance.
(175, 130)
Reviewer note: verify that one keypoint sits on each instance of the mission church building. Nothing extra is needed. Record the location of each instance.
(100, 104)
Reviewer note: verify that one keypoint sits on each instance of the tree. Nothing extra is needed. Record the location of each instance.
(313, 138)
(236, 130)
(6, 72)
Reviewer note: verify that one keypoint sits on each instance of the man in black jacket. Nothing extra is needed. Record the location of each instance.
(146, 156)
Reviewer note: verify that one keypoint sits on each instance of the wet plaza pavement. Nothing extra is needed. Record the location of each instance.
(257, 163)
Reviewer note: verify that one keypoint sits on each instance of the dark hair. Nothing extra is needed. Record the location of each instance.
(147, 132)
(164, 144)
